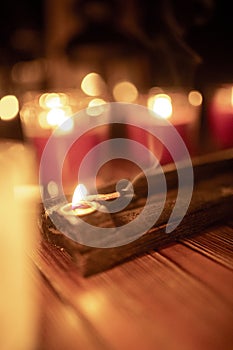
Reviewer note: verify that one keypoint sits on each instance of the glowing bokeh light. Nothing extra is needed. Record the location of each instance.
(161, 105)
(93, 85)
(195, 98)
(125, 92)
(96, 107)
(55, 116)
(42, 120)
(9, 107)
(53, 100)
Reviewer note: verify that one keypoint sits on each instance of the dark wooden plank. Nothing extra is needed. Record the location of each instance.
(211, 202)
(206, 208)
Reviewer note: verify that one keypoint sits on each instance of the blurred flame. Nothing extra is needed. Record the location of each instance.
(93, 85)
(80, 193)
(56, 116)
(232, 96)
(161, 105)
(195, 98)
(9, 107)
(125, 92)
(53, 100)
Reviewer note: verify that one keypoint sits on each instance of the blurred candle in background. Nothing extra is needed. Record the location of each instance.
(18, 297)
(182, 109)
(42, 113)
(220, 115)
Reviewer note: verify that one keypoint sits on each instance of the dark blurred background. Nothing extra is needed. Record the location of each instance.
(39, 28)
(52, 44)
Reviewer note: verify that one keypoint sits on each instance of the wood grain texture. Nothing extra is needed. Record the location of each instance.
(217, 245)
(176, 298)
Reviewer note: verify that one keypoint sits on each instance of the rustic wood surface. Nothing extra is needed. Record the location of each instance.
(174, 298)
(179, 297)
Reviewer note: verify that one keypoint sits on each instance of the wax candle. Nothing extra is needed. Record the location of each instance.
(182, 110)
(44, 113)
(18, 232)
(220, 115)
(79, 206)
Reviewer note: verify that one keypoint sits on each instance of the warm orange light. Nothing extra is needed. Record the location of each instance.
(53, 100)
(125, 92)
(43, 122)
(98, 103)
(93, 85)
(9, 107)
(161, 105)
(55, 116)
(195, 98)
(93, 305)
(80, 193)
(42, 99)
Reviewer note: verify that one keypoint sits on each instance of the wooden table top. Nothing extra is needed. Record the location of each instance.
(179, 297)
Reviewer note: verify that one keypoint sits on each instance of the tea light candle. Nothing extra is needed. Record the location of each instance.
(220, 114)
(79, 206)
(81, 209)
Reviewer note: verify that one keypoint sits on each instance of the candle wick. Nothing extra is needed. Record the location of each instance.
(80, 205)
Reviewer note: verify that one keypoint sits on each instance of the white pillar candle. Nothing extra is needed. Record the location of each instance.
(17, 231)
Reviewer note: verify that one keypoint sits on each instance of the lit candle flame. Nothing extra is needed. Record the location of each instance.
(161, 105)
(79, 195)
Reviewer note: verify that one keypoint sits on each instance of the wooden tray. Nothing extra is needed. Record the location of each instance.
(211, 202)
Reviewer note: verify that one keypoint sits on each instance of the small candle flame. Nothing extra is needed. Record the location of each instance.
(161, 105)
(79, 195)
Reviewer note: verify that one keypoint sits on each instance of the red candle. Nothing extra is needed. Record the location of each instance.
(182, 111)
(40, 118)
(220, 115)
